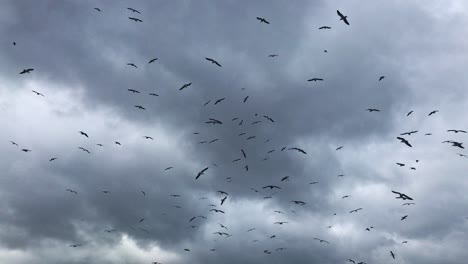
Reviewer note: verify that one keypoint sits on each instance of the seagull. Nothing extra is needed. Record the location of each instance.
(153, 94)
(14, 143)
(133, 91)
(140, 107)
(381, 78)
(26, 71)
(408, 204)
(133, 10)
(346, 196)
(243, 154)
(72, 191)
(273, 55)
(298, 202)
(52, 159)
(355, 210)
(185, 86)
(132, 64)
(393, 254)
(298, 149)
(315, 79)
(321, 240)
(262, 20)
(373, 110)
(404, 217)
(152, 60)
(402, 140)
(342, 17)
(456, 131)
(285, 178)
(462, 155)
(245, 99)
(280, 223)
(38, 93)
(97, 9)
(400, 164)
(402, 196)
(26, 150)
(433, 112)
(147, 137)
(409, 133)
(117, 143)
(269, 118)
(409, 113)
(224, 199)
(217, 211)
(338, 148)
(75, 245)
(85, 150)
(201, 173)
(219, 101)
(325, 27)
(168, 168)
(213, 61)
(135, 19)
(271, 187)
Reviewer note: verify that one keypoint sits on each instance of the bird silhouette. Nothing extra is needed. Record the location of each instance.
(298, 149)
(343, 17)
(26, 71)
(324, 27)
(402, 196)
(409, 113)
(213, 61)
(132, 65)
(133, 10)
(392, 254)
(315, 79)
(71, 191)
(37, 93)
(373, 110)
(262, 20)
(273, 55)
(433, 112)
(135, 19)
(201, 173)
(140, 107)
(152, 60)
(381, 78)
(185, 86)
(402, 140)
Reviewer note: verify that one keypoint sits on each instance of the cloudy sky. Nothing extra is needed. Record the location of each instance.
(80, 55)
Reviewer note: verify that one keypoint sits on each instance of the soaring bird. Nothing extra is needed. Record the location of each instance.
(26, 71)
(269, 118)
(393, 254)
(217, 211)
(298, 149)
(97, 9)
(26, 150)
(72, 191)
(153, 94)
(83, 133)
(381, 78)
(404, 217)
(409, 133)
(133, 10)
(85, 150)
(462, 155)
(118, 143)
(140, 107)
(271, 187)
(152, 60)
(75, 245)
(400, 164)
(52, 159)
(135, 19)
(433, 112)
(355, 210)
(321, 240)
(373, 110)
(324, 27)
(285, 178)
(315, 79)
(213, 61)
(133, 91)
(350, 260)
(402, 140)
(168, 168)
(132, 64)
(343, 17)
(273, 55)
(141, 220)
(402, 196)
(408, 204)
(245, 99)
(409, 113)
(223, 200)
(346, 196)
(262, 20)
(338, 148)
(37, 93)
(219, 100)
(298, 202)
(14, 143)
(243, 154)
(456, 131)
(147, 137)
(185, 86)
(201, 173)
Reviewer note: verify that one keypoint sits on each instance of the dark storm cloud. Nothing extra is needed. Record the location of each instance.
(72, 46)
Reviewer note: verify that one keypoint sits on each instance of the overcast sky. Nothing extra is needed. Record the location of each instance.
(80, 56)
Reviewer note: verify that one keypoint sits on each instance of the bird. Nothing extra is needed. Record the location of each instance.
(133, 10)
(213, 61)
(110, 230)
(271, 187)
(72, 191)
(26, 150)
(140, 107)
(75, 245)
(135, 19)
(245, 99)
(52, 159)
(147, 137)
(346, 196)
(392, 254)
(118, 143)
(243, 154)
(404, 217)
(83, 133)
(26, 71)
(280, 223)
(132, 65)
(409, 113)
(168, 168)
(207, 102)
(37, 93)
(273, 55)
(321, 240)
(185, 86)
(409, 133)
(175, 195)
(315, 79)
(201, 173)
(381, 78)
(315, 182)
(153, 94)
(324, 27)
(262, 20)
(133, 91)
(369, 228)
(144, 194)
(338, 148)
(141, 220)
(269, 118)
(97, 9)
(408, 204)
(298, 149)
(217, 211)
(251, 137)
(219, 101)
(224, 199)
(456, 131)
(14, 143)
(350, 260)
(186, 249)
(85, 150)
(355, 210)
(402, 140)
(285, 178)
(106, 192)
(373, 110)
(298, 202)
(462, 155)
(433, 112)
(404, 242)
(402, 196)
(400, 164)
(342, 17)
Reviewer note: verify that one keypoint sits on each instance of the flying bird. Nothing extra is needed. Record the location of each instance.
(298, 202)
(118, 143)
(217, 211)
(408, 204)
(26, 71)
(133, 10)
(245, 99)
(433, 112)
(400, 164)
(52, 159)
(97, 9)
(280, 223)
(381, 78)
(72, 191)
(133, 90)
(271, 187)
(343, 17)
(269, 118)
(325, 27)
(213, 61)
(392, 254)
(140, 107)
(37, 93)
(409, 113)
(26, 150)
(223, 200)
(409, 133)
(285, 178)
(273, 55)
(147, 137)
(14, 143)
(315, 79)
(219, 101)
(75, 245)
(262, 20)
(402, 140)
(456, 131)
(135, 19)
(85, 150)
(201, 173)
(132, 65)
(402, 196)
(152, 60)
(154, 94)
(338, 148)
(185, 86)
(373, 110)
(355, 210)
(404, 217)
